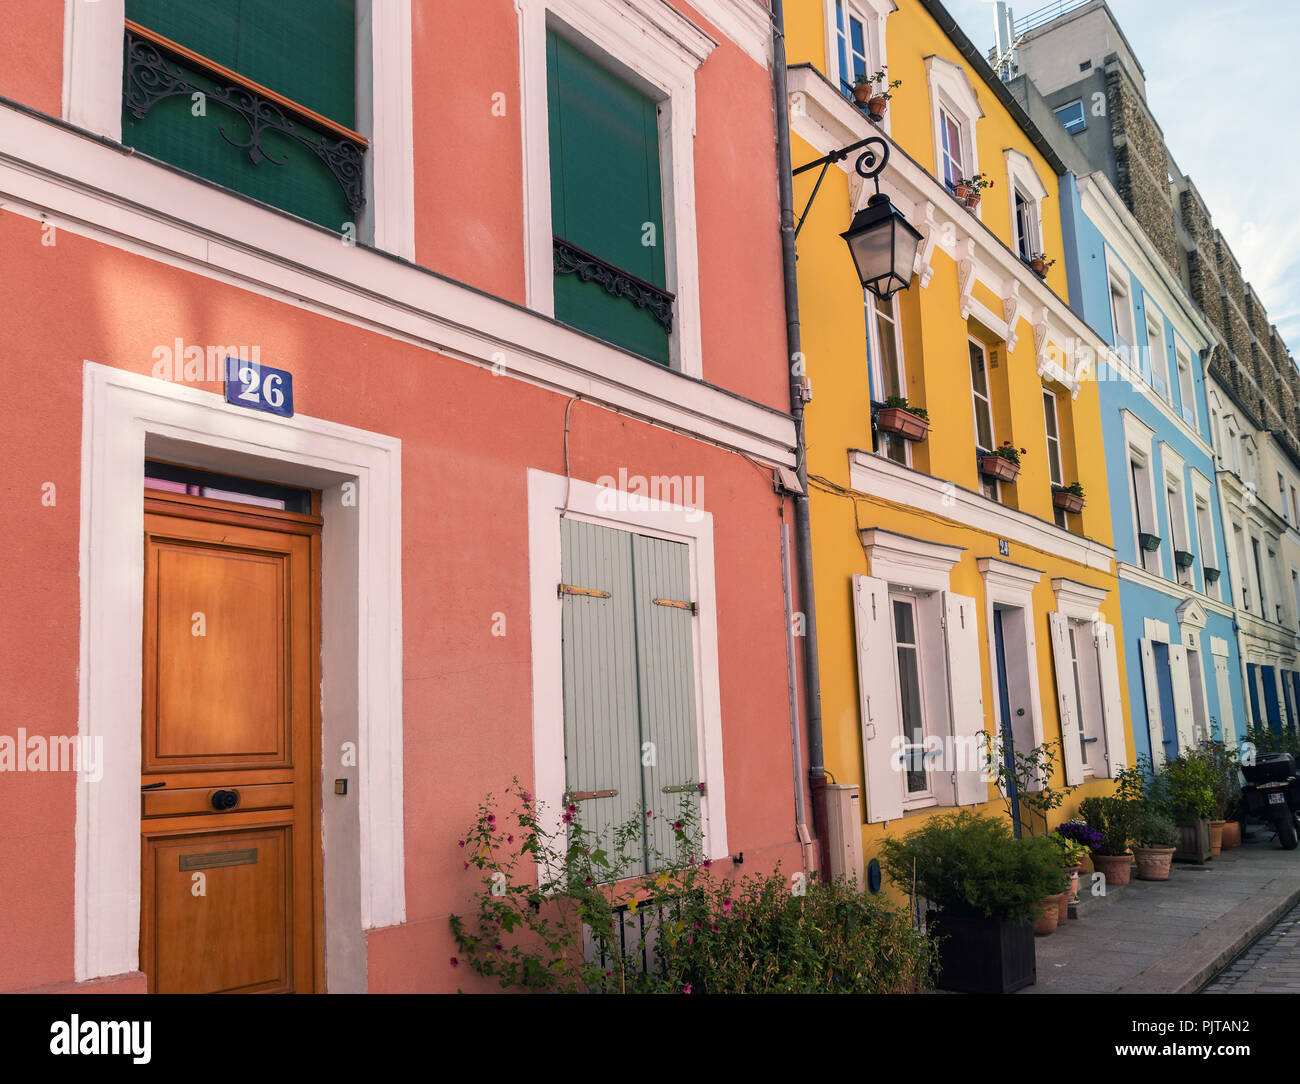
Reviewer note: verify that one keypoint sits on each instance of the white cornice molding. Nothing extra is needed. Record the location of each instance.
(1192, 612)
(1152, 582)
(1078, 600)
(628, 22)
(827, 121)
(910, 562)
(75, 183)
(1008, 581)
(745, 22)
(881, 477)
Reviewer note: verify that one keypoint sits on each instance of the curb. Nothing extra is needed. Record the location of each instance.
(1198, 959)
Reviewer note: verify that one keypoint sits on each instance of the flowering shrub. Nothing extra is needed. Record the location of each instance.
(1010, 452)
(551, 915)
(1081, 833)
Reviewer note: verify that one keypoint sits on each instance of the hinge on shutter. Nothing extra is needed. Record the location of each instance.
(585, 795)
(685, 788)
(589, 592)
(692, 606)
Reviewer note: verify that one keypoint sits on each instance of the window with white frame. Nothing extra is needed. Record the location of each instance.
(954, 112)
(920, 685)
(1027, 193)
(1274, 612)
(1055, 468)
(886, 368)
(982, 405)
(1072, 116)
(1177, 513)
(1158, 362)
(1121, 315)
(1243, 570)
(1144, 515)
(851, 46)
(1295, 591)
(1281, 497)
(1026, 226)
(1260, 588)
(1187, 389)
(1205, 540)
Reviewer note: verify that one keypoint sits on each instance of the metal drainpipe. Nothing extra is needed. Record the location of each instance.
(803, 525)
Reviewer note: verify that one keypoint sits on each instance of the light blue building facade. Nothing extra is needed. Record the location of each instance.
(1181, 653)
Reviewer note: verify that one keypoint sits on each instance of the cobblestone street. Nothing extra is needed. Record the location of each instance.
(1270, 966)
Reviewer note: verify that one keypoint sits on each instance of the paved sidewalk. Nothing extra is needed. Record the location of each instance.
(1270, 966)
(1174, 936)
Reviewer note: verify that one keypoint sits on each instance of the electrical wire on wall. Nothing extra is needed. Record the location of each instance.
(568, 478)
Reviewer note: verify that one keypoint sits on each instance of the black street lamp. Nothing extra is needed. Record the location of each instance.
(880, 239)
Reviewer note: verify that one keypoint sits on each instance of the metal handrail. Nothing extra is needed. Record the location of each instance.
(1037, 18)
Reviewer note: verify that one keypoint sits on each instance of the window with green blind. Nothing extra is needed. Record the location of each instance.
(606, 204)
(293, 148)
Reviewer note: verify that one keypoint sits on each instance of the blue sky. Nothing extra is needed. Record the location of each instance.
(1219, 84)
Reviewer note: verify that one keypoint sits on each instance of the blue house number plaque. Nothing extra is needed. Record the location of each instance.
(259, 387)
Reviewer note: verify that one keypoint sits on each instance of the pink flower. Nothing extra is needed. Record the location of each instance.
(567, 818)
(571, 808)
(677, 826)
(686, 989)
(491, 818)
(701, 788)
(467, 865)
(713, 926)
(510, 839)
(455, 962)
(708, 863)
(527, 797)
(461, 842)
(649, 812)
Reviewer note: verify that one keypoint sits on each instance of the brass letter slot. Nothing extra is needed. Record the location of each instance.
(676, 605)
(589, 592)
(215, 859)
(584, 795)
(687, 788)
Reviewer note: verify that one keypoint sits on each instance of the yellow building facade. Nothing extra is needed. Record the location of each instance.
(950, 605)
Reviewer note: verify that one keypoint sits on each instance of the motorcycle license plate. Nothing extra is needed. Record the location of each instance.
(1277, 798)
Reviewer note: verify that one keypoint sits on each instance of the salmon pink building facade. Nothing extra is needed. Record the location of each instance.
(492, 486)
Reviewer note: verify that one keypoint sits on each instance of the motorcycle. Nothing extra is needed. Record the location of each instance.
(1272, 794)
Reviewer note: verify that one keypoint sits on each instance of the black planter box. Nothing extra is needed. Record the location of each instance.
(983, 955)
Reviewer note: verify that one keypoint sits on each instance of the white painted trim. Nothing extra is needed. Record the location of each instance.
(909, 562)
(1079, 601)
(73, 182)
(653, 46)
(951, 90)
(1013, 585)
(1135, 574)
(1156, 630)
(125, 417)
(878, 476)
(746, 22)
(1020, 169)
(92, 65)
(1191, 613)
(548, 497)
(391, 157)
(872, 14)
(1219, 646)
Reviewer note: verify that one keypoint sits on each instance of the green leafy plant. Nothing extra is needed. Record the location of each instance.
(1032, 773)
(1042, 256)
(977, 182)
(1262, 739)
(1190, 783)
(555, 912)
(1072, 851)
(1223, 763)
(1151, 828)
(880, 83)
(1073, 488)
(900, 402)
(1009, 451)
(1113, 817)
(967, 864)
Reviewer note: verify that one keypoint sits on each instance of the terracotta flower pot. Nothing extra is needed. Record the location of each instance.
(1046, 922)
(876, 106)
(901, 422)
(1038, 265)
(999, 467)
(862, 93)
(973, 200)
(1153, 862)
(961, 191)
(1072, 896)
(1069, 502)
(1231, 834)
(1216, 837)
(1071, 893)
(1114, 867)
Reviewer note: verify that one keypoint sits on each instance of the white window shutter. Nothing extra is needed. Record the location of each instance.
(1151, 685)
(1112, 702)
(1227, 726)
(878, 699)
(1071, 752)
(965, 697)
(1184, 726)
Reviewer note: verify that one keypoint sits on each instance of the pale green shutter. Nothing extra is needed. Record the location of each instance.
(602, 749)
(666, 671)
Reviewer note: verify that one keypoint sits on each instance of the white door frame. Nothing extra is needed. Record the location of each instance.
(127, 416)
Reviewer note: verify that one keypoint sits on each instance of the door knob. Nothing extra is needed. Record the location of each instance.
(225, 799)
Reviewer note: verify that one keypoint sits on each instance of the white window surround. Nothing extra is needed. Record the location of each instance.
(1138, 438)
(548, 497)
(658, 50)
(909, 562)
(92, 99)
(1022, 175)
(872, 14)
(1011, 585)
(951, 90)
(126, 417)
(890, 481)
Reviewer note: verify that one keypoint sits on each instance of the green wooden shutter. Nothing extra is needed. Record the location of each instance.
(302, 49)
(602, 743)
(606, 194)
(666, 678)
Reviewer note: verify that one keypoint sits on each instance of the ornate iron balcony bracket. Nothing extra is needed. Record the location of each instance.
(150, 79)
(572, 260)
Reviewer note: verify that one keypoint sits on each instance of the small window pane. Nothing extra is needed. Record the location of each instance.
(1072, 117)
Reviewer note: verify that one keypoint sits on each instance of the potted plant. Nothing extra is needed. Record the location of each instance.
(1039, 264)
(1223, 763)
(1154, 842)
(984, 888)
(1186, 790)
(974, 188)
(1112, 817)
(874, 91)
(1068, 498)
(901, 420)
(1073, 854)
(1232, 825)
(1003, 464)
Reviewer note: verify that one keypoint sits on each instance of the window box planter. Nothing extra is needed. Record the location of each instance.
(983, 955)
(1183, 559)
(901, 422)
(1067, 501)
(973, 200)
(1194, 842)
(1149, 542)
(1211, 575)
(999, 467)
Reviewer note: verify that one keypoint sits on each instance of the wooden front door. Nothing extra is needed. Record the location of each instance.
(230, 828)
